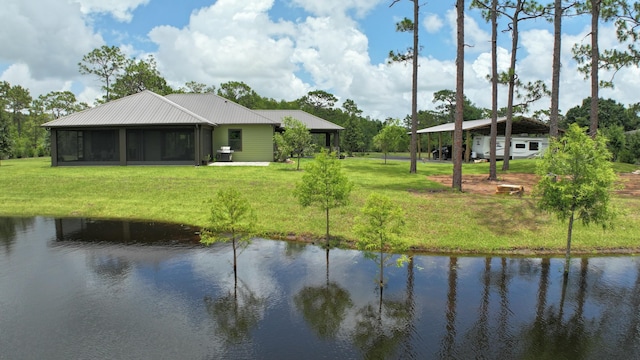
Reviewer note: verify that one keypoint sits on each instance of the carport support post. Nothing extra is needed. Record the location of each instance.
(429, 146)
(439, 146)
(419, 146)
(467, 151)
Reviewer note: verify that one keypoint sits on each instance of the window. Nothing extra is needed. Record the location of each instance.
(534, 145)
(520, 146)
(235, 139)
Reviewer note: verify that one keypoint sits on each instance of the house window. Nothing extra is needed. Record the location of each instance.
(534, 145)
(235, 139)
(520, 146)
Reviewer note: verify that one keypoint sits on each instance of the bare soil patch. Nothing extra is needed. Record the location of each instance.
(479, 184)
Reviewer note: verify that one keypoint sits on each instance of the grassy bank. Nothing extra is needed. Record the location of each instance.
(437, 220)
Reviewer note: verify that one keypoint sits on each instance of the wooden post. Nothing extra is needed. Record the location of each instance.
(429, 146)
(440, 146)
(467, 152)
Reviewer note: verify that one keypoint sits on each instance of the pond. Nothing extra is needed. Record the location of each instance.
(84, 289)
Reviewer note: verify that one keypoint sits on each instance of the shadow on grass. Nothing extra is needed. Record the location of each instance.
(507, 216)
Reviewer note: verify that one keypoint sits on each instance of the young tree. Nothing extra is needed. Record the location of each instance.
(407, 25)
(323, 184)
(232, 219)
(295, 139)
(379, 229)
(389, 138)
(576, 181)
(106, 63)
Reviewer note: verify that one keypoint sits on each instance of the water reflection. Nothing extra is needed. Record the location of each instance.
(8, 229)
(236, 313)
(69, 291)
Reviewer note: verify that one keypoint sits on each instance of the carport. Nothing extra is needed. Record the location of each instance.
(519, 125)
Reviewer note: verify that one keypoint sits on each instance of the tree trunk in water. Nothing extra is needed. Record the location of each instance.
(327, 266)
(381, 268)
(327, 236)
(555, 78)
(414, 90)
(595, 59)
(567, 257)
(493, 175)
(457, 135)
(235, 266)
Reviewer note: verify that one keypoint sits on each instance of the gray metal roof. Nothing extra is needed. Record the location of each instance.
(312, 122)
(520, 125)
(144, 108)
(219, 110)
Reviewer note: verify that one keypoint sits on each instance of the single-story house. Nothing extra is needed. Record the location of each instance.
(177, 129)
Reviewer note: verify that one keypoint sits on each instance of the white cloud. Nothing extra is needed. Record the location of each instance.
(337, 7)
(433, 23)
(476, 38)
(120, 10)
(32, 33)
(213, 49)
(21, 74)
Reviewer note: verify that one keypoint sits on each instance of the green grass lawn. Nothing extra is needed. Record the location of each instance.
(437, 220)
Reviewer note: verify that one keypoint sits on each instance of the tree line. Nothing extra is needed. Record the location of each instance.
(21, 114)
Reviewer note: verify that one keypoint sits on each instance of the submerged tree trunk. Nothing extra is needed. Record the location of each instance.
(327, 236)
(381, 267)
(327, 266)
(235, 265)
(567, 257)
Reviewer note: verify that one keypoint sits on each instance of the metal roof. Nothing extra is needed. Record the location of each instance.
(219, 110)
(144, 108)
(312, 122)
(520, 125)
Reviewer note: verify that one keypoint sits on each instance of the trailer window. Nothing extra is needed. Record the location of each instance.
(520, 146)
(534, 145)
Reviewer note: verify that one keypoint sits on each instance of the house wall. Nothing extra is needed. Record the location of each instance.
(257, 141)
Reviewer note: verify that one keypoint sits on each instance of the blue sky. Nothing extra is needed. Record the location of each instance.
(285, 48)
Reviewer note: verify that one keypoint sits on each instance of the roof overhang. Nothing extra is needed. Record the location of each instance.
(519, 125)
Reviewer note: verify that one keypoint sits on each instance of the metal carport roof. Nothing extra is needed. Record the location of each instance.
(520, 125)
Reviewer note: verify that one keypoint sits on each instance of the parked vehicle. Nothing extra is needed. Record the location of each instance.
(522, 147)
(446, 153)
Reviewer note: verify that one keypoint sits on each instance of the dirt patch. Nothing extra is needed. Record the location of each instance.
(479, 184)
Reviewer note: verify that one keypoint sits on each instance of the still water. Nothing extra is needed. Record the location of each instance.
(82, 289)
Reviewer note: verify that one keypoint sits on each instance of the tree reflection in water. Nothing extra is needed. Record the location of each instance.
(324, 308)
(388, 331)
(235, 313)
(551, 336)
(9, 227)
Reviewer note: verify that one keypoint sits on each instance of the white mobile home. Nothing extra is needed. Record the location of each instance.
(522, 147)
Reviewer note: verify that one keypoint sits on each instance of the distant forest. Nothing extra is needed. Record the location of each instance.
(22, 115)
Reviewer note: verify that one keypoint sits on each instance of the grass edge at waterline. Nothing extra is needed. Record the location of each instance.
(438, 220)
